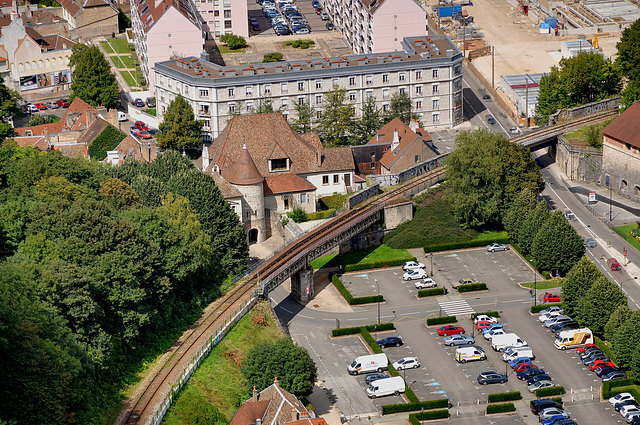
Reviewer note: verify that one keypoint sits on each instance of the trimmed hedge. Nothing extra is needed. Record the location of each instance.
(540, 307)
(514, 395)
(441, 320)
(430, 292)
(407, 391)
(319, 215)
(633, 389)
(471, 287)
(372, 342)
(605, 347)
(556, 399)
(608, 386)
(358, 329)
(415, 418)
(367, 300)
(466, 244)
(500, 408)
(545, 392)
(377, 264)
(486, 313)
(107, 140)
(411, 407)
(349, 298)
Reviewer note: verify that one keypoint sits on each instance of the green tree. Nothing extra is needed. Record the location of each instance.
(124, 21)
(557, 246)
(93, 80)
(118, 193)
(179, 129)
(303, 123)
(272, 57)
(616, 320)
(625, 339)
(233, 41)
(577, 282)
(42, 119)
(599, 302)
(400, 107)
(551, 96)
(635, 361)
(265, 106)
(282, 359)
(631, 93)
(337, 123)
(370, 121)
(517, 212)
(8, 109)
(485, 174)
(628, 58)
(530, 226)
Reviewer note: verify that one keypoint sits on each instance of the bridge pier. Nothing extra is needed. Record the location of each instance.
(302, 284)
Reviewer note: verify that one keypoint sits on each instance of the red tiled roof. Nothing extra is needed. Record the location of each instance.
(249, 412)
(227, 189)
(36, 142)
(72, 150)
(150, 11)
(406, 137)
(626, 128)
(359, 179)
(244, 171)
(286, 183)
(280, 408)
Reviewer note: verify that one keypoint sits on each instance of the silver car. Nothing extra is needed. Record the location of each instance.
(52, 105)
(497, 247)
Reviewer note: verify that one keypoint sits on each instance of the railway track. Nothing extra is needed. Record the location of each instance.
(143, 407)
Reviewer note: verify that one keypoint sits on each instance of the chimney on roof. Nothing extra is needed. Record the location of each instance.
(91, 116)
(255, 395)
(319, 157)
(377, 135)
(396, 140)
(294, 414)
(258, 421)
(205, 165)
(275, 381)
(45, 133)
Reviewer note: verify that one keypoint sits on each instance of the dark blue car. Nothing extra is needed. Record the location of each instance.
(492, 378)
(528, 373)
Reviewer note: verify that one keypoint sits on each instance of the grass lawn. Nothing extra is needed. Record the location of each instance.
(151, 111)
(223, 48)
(129, 78)
(218, 383)
(127, 61)
(116, 45)
(556, 282)
(432, 224)
(624, 232)
(107, 47)
(379, 253)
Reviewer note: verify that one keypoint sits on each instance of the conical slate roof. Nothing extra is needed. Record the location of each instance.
(244, 172)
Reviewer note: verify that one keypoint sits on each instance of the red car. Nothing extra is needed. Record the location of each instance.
(600, 363)
(581, 350)
(63, 103)
(142, 134)
(318, 11)
(140, 125)
(548, 297)
(524, 366)
(482, 324)
(450, 330)
(40, 105)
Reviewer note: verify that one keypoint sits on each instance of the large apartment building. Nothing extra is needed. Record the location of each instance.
(373, 26)
(428, 69)
(224, 16)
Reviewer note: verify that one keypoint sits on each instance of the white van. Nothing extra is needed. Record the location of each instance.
(511, 353)
(122, 117)
(573, 338)
(367, 364)
(500, 342)
(381, 387)
(468, 353)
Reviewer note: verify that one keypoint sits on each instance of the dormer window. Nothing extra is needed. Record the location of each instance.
(279, 164)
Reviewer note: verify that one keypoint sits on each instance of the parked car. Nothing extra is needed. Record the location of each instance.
(486, 97)
(330, 26)
(315, 3)
(151, 101)
(590, 352)
(620, 405)
(539, 377)
(628, 409)
(618, 398)
(548, 297)
(374, 377)
(553, 411)
(451, 340)
(325, 16)
(52, 105)
(518, 361)
(63, 103)
(31, 108)
(482, 325)
(528, 373)
(140, 125)
(463, 282)
(581, 350)
(484, 317)
(606, 370)
(538, 406)
(540, 384)
(142, 134)
(491, 327)
(41, 106)
(425, 283)
(524, 366)
(412, 265)
(557, 320)
(492, 378)
(407, 363)
(497, 246)
(554, 420)
(566, 326)
(552, 309)
(139, 103)
(391, 341)
(414, 274)
(613, 376)
(589, 242)
(450, 330)
(490, 119)
(600, 363)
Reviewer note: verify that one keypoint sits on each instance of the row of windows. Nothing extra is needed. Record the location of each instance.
(33, 65)
(284, 88)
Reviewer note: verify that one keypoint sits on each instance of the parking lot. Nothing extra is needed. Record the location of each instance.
(304, 6)
(440, 376)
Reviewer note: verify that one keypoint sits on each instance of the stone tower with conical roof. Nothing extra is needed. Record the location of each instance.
(245, 177)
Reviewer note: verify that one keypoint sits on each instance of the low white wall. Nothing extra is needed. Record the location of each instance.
(136, 114)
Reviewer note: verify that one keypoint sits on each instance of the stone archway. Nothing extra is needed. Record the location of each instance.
(252, 236)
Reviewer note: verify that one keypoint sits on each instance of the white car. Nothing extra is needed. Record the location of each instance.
(619, 398)
(407, 363)
(414, 274)
(489, 335)
(425, 283)
(544, 317)
(412, 265)
(627, 410)
(551, 309)
(484, 317)
(497, 247)
(552, 411)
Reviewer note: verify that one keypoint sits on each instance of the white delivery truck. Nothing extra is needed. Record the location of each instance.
(500, 342)
(468, 353)
(394, 385)
(367, 364)
(573, 338)
(511, 353)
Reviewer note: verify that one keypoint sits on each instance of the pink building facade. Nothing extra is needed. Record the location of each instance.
(224, 16)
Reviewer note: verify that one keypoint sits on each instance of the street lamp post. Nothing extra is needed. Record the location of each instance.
(431, 255)
(378, 286)
(535, 288)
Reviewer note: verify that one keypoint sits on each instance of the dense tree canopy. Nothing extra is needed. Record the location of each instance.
(8, 109)
(336, 124)
(584, 78)
(303, 122)
(179, 128)
(485, 174)
(370, 122)
(557, 246)
(400, 106)
(628, 61)
(577, 282)
(282, 359)
(598, 303)
(517, 212)
(530, 226)
(93, 80)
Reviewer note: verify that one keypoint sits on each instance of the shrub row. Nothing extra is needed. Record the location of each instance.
(430, 292)
(377, 264)
(358, 329)
(500, 408)
(413, 398)
(472, 287)
(514, 395)
(606, 347)
(466, 244)
(369, 340)
(441, 320)
(556, 399)
(545, 392)
(415, 418)
(349, 298)
(539, 307)
(486, 313)
(608, 386)
(633, 389)
(319, 215)
(411, 407)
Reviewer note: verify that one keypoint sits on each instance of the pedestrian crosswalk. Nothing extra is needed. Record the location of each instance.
(456, 308)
